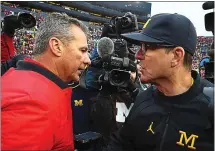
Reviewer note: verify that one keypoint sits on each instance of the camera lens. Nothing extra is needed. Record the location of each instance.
(26, 21)
(126, 21)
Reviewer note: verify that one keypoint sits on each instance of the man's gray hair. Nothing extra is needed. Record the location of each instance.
(55, 25)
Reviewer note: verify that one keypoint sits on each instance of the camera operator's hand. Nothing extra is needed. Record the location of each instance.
(133, 76)
(12, 62)
(132, 87)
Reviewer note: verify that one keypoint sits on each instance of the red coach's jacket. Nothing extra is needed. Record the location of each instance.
(36, 110)
(7, 47)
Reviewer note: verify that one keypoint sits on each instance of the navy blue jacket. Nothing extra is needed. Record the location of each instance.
(81, 109)
(160, 123)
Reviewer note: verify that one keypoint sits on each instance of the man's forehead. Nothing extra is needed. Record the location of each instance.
(76, 30)
(81, 43)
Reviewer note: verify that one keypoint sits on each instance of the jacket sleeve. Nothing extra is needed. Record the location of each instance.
(121, 140)
(124, 138)
(26, 124)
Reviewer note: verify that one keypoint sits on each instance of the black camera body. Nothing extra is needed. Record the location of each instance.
(116, 67)
(209, 26)
(118, 25)
(126, 23)
(22, 20)
(209, 17)
(115, 70)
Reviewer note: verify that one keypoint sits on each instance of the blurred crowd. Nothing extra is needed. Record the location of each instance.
(203, 44)
(24, 38)
(95, 34)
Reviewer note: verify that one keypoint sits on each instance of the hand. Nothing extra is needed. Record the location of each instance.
(133, 76)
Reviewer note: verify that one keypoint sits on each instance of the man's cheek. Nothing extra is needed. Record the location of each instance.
(82, 59)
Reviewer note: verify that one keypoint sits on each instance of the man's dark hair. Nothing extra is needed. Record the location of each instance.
(188, 58)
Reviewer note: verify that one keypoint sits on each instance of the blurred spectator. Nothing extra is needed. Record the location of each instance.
(203, 45)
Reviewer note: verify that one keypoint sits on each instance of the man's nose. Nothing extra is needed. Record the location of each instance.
(87, 60)
(139, 55)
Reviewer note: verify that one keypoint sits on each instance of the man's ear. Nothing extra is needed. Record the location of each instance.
(56, 46)
(178, 55)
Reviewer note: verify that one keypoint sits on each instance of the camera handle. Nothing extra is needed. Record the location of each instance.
(118, 28)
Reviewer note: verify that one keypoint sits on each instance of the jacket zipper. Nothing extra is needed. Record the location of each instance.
(165, 131)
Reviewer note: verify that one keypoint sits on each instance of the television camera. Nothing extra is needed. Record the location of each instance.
(209, 26)
(9, 25)
(115, 60)
(22, 20)
(109, 75)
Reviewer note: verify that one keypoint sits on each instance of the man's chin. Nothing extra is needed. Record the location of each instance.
(75, 78)
(144, 79)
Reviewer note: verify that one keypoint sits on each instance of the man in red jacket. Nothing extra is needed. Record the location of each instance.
(36, 110)
(10, 23)
(7, 47)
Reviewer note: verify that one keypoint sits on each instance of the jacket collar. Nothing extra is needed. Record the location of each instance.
(32, 65)
(194, 90)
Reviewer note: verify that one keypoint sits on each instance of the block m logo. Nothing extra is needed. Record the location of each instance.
(184, 138)
(78, 102)
(122, 111)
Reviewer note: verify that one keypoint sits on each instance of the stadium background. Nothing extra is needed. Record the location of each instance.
(93, 14)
